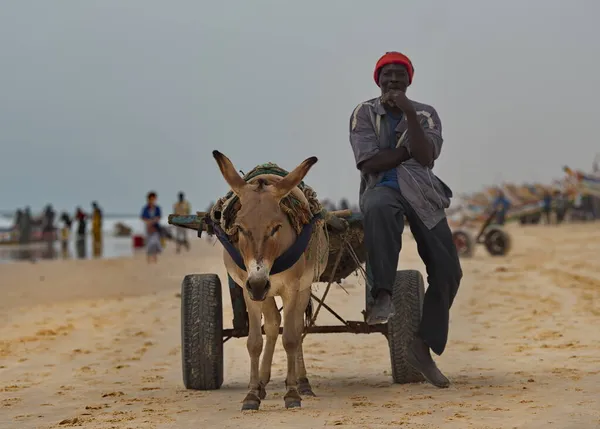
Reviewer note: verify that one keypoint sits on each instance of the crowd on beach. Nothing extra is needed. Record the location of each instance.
(25, 223)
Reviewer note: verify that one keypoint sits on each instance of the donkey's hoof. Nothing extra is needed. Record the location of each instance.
(250, 406)
(306, 391)
(292, 399)
(251, 402)
(293, 403)
(304, 388)
(262, 392)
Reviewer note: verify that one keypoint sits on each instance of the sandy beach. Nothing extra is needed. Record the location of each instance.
(96, 344)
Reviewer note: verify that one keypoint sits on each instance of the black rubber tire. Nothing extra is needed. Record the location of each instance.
(497, 241)
(202, 332)
(469, 244)
(407, 297)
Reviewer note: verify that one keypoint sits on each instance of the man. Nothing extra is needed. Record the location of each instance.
(25, 226)
(18, 220)
(561, 206)
(501, 205)
(547, 206)
(48, 223)
(151, 216)
(96, 229)
(395, 143)
(65, 233)
(96, 222)
(182, 208)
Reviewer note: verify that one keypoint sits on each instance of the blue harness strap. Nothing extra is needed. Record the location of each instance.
(288, 258)
(285, 261)
(227, 244)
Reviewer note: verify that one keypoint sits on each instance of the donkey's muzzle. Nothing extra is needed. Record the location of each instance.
(258, 288)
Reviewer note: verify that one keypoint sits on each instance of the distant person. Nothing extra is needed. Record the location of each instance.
(97, 229)
(96, 222)
(18, 217)
(151, 217)
(501, 205)
(65, 232)
(595, 206)
(576, 213)
(547, 206)
(81, 219)
(561, 206)
(17, 221)
(587, 207)
(25, 226)
(182, 208)
(48, 223)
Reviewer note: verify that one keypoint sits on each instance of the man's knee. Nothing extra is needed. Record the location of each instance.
(445, 256)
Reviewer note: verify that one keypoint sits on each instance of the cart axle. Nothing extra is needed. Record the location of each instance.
(351, 327)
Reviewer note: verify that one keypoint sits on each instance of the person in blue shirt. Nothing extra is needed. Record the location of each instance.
(501, 204)
(390, 177)
(151, 217)
(547, 206)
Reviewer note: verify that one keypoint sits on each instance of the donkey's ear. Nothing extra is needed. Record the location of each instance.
(282, 188)
(231, 176)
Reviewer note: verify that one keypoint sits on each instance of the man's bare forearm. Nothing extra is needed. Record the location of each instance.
(420, 145)
(384, 160)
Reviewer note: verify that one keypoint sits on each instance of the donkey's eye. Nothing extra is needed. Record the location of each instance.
(275, 229)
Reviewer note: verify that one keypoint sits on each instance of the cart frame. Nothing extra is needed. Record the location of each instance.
(240, 327)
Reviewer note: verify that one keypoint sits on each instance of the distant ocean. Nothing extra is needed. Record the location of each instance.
(108, 223)
(113, 247)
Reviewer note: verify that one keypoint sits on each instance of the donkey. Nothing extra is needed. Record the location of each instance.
(264, 234)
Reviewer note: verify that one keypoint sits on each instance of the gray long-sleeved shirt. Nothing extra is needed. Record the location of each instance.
(424, 191)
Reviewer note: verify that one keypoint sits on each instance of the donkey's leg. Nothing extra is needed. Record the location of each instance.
(293, 314)
(272, 324)
(254, 345)
(304, 387)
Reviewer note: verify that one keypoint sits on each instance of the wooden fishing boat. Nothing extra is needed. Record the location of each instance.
(10, 236)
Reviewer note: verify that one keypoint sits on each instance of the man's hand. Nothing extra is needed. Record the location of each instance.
(400, 100)
(421, 147)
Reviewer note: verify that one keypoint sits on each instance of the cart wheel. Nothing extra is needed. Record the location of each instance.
(407, 297)
(464, 243)
(497, 241)
(202, 332)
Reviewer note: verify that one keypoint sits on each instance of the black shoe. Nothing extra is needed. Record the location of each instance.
(382, 309)
(419, 357)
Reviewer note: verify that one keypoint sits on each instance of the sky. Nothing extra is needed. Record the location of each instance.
(107, 100)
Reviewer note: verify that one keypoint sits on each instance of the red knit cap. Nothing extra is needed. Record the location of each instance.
(393, 58)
